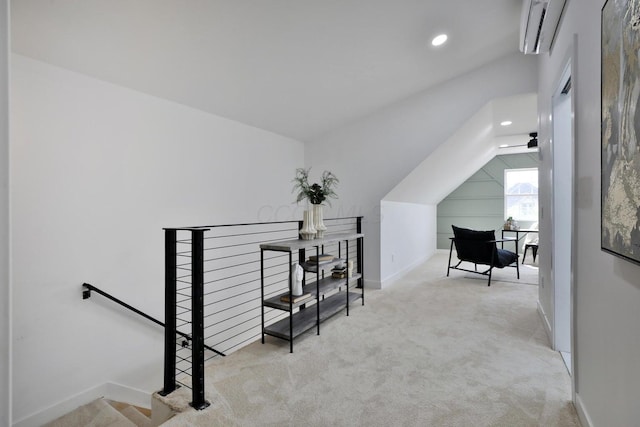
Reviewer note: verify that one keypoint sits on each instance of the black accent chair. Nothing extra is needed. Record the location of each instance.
(480, 247)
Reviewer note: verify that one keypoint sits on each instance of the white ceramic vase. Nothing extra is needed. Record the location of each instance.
(308, 231)
(318, 221)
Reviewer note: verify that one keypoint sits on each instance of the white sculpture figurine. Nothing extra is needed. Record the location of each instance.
(297, 274)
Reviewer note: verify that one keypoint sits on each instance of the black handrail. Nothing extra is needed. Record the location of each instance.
(86, 294)
(242, 224)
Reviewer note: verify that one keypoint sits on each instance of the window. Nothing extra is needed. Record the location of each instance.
(521, 194)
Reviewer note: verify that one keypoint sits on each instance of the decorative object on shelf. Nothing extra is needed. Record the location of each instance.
(316, 194)
(507, 224)
(350, 269)
(339, 272)
(297, 274)
(318, 222)
(308, 231)
(295, 299)
(321, 258)
(511, 224)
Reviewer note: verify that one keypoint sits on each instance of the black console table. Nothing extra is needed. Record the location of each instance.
(328, 295)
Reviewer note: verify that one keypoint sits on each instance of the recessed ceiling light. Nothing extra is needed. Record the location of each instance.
(506, 123)
(439, 40)
(504, 146)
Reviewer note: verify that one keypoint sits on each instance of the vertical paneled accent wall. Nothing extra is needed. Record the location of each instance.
(478, 203)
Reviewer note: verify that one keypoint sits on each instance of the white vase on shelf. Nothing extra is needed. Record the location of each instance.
(318, 221)
(308, 231)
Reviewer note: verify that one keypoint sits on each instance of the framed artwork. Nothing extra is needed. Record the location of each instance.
(620, 150)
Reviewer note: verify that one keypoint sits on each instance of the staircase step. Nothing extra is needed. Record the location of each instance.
(98, 413)
(135, 416)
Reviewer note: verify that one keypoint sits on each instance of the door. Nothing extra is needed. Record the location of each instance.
(562, 205)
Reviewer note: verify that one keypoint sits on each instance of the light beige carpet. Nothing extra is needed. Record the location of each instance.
(430, 350)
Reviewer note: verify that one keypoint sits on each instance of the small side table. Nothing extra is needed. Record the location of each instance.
(520, 235)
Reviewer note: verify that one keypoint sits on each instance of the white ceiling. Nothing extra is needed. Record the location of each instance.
(521, 110)
(295, 67)
(474, 144)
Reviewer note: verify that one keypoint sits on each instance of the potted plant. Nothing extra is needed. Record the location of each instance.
(316, 194)
(508, 223)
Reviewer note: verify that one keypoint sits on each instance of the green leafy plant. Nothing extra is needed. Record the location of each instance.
(316, 193)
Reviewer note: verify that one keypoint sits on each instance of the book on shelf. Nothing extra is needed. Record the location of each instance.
(321, 258)
(339, 274)
(295, 298)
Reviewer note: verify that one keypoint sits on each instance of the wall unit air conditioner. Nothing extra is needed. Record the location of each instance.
(538, 24)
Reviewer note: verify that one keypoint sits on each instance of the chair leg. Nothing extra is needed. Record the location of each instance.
(449, 263)
(491, 266)
(524, 255)
(534, 249)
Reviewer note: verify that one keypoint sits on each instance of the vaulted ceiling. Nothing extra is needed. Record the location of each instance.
(295, 67)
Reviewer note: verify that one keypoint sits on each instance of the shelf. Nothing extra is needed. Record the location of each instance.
(306, 319)
(275, 302)
(328, 295)
(326, 285)
(329, 284)
(295, 244)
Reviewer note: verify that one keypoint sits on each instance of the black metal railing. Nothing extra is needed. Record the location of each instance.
(87, 288)
(213, 291)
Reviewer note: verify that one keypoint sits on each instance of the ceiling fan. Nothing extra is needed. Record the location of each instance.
(533, 142)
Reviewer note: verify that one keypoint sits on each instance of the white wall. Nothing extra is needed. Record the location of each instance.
(97, 171)
(373, 154)
(407, 237)
(607, 290)
(5, 295)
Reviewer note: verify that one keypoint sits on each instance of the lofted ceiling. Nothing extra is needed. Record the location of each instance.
(294, 67)
(474, 144)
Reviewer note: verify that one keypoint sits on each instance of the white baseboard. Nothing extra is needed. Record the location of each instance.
(110, 391)
(583, 416)
(372, 284)
(400, 274)
(545, 322)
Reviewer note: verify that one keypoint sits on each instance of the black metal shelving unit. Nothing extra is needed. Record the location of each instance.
(328, 295)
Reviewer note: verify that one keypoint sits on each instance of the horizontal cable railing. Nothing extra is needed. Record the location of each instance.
(213, 291)
(87, 288)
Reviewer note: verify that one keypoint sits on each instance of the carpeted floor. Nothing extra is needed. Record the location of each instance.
(430, 350)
